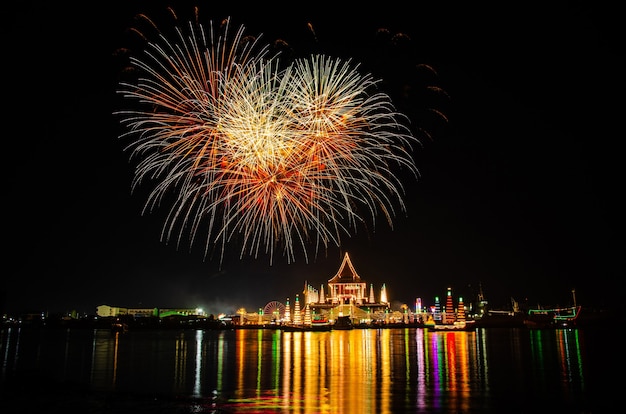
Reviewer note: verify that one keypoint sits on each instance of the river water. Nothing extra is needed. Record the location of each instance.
(342, 371)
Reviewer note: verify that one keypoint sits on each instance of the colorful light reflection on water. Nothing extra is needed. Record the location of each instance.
(359, 370)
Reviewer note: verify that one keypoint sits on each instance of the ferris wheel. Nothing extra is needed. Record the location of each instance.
(274, 308)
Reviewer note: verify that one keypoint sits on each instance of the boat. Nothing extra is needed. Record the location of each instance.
(320, 323)
(343, 323)
(316, 327)
(455, 326)
(566, 317)
(502, 318)
(497, 319)
(317, 324)
(559, 317)
(305, 328)
(119, 326)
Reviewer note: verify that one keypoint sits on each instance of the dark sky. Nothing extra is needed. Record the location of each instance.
(520, 190)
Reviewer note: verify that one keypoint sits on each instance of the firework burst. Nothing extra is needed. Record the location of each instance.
(268, 158)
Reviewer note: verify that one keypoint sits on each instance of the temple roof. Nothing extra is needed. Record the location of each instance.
(346, 273)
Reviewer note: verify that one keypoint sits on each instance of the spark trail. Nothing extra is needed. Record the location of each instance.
(252, 154)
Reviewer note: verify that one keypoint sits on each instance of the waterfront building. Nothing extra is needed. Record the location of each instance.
(107, 311)
(345, 294)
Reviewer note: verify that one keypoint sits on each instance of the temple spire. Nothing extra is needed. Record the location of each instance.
(461, 311)
(297, 317)
(449, 309)
(288, 312)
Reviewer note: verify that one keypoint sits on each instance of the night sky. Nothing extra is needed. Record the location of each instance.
(520, 187)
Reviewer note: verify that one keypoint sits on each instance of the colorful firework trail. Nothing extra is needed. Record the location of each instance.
(263, 157)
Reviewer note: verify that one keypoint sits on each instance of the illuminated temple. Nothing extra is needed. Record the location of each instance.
(345, 294)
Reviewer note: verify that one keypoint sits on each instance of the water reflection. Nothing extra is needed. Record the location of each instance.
(360, 370)
(565, 371)
(451, 372)
(105, 359)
